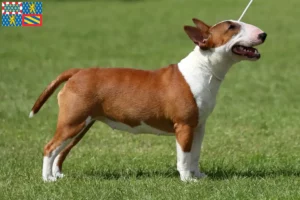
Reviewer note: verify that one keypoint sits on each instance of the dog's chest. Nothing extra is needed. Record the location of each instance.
(205, 94)
(204, 88)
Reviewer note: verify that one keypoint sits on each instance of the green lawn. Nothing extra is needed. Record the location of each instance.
(251, 148)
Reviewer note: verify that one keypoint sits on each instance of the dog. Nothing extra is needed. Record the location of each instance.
(174, 100)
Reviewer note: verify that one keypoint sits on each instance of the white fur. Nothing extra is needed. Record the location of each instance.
(196, 148)
(48, 162)
(31, 114)
(184, 160)
(47, 177)
(204, 71)
(248, 36)
(55, 170)
(143, 128)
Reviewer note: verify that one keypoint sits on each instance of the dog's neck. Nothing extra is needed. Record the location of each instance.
(204, 72)
(210, 62)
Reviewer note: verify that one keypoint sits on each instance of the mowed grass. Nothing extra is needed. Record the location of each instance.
(251, 147)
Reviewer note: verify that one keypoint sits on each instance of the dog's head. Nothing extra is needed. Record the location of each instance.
(233, 38)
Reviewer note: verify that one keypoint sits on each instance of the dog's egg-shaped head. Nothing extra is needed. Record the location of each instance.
(229, 36)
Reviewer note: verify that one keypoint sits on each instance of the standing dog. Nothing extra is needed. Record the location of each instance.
(175, 100)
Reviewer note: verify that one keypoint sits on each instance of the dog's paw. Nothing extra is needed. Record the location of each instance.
(56, 172)
(49, 179)
(186, 176)
(199, 175)
(190, 180)
(59, 175)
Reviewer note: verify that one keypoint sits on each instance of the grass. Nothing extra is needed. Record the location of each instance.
(251, 148)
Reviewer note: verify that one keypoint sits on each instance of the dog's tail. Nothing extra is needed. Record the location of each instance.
(51, 88)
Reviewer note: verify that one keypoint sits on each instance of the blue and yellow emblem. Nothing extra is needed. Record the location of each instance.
(22, 13)
(11, 20)
(32, 20)
(32, 7)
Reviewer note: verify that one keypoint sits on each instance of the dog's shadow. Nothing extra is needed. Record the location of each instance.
(213, 174)
(126, 174)
(221, 174)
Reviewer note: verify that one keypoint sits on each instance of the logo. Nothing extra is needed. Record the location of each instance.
(31, 20)
(22, 13)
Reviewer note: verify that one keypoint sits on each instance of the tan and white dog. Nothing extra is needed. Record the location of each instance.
(175, 100)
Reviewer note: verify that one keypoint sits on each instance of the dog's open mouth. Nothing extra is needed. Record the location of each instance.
(248, 52)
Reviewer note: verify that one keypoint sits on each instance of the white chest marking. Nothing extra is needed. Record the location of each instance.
(141, 129)
(203, 89)
(203, 81)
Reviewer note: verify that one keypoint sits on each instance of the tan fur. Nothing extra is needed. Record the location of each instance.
(184, 136)
(221, 34)
(52, 87)
(63, 154)
(208, 37)
(160, 98)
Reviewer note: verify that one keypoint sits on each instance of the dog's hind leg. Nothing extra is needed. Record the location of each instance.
(72, 121)
(63, 136)
(58, 162)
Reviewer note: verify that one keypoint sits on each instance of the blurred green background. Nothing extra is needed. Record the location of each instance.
(251, 148)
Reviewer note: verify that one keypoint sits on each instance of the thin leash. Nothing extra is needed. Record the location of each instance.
(249, 4)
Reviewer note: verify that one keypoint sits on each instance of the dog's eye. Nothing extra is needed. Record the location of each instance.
(231, 27)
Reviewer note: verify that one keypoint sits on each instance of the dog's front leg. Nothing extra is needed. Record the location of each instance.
(196, 149)
(184, 140)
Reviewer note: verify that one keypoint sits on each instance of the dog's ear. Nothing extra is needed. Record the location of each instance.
(201, 25)
(199, 37)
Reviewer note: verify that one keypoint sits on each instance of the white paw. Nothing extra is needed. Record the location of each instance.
(186, 176)
(56, 171)
(198, 174)
(190, 180)
(49, 179)
(59, 175)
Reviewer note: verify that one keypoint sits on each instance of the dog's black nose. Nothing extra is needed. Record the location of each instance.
(262, 36)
